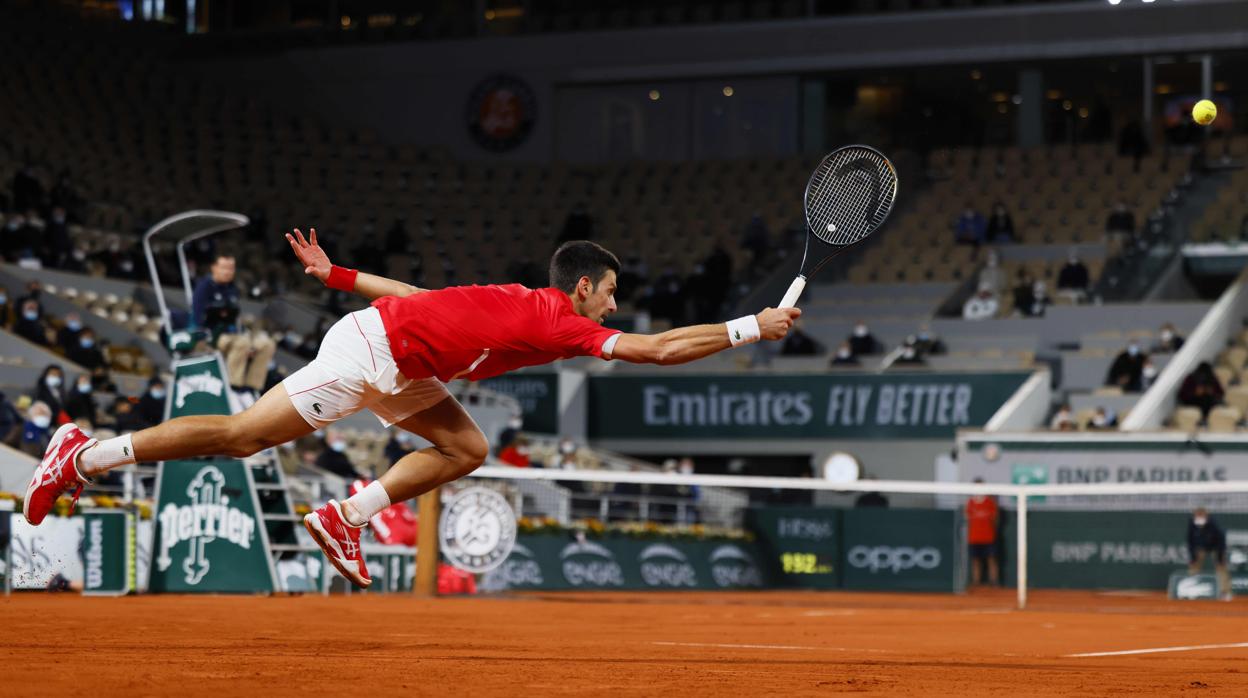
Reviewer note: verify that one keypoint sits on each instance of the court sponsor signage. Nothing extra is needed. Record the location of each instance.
(208, 537)
(477, 529)
(908, 549)
(800, 545)
(199, 387)
(1197, 587)
(541, 561)
(912, 406)
(538, 395)
(108, 552)
(1111, 549)
(1058, 461)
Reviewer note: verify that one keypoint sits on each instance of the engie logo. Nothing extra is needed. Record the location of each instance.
(665, 566)
(733, 567)
(208, 517)
(896, 560)
(587, 564)
(520, 569)
(199, 383)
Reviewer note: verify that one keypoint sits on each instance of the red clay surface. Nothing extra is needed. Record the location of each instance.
(620, 644)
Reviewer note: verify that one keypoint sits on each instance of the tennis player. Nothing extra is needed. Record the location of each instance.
(394, 358)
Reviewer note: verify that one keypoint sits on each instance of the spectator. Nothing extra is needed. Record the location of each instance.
(34, 293)
(56, 244)
(516, 454)
(27, 189)
(1073, 275)
(577, 226)
(1102, 419)
(1022, 291)
(50, 391)
(798, 343)
(862, 342)
(1064, 419)
(216, 305)
(868, 500)
(982, 518)
(1201, 389)
(1169, 340)
(981, 306)
(125, 417)
(757, 239)
(150, 409)
(29, 325)
(10, 423)
(6, 309)
(400, 444)
(334, 457)
(1127, 369)
(844, 355)
(1000, 225)
(633, 275)
(928, 343)
(67, 336)
(509, 432)
(79, 402)
(37, 429)
(85, 353)
(969, 229)
(909, 353)
(1039, 300)
(1121, 220)
(1205, 536)
(992, 274)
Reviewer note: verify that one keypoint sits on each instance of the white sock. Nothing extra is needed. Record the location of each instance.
(366, 504)
(106, 455)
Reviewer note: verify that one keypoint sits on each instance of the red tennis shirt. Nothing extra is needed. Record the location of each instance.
(478, 332)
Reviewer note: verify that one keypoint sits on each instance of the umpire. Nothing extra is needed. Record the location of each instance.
(1204, 536)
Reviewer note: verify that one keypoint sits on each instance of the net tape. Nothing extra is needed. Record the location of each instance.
(850, 194)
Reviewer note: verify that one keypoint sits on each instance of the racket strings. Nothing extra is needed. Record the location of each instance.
(850, 195)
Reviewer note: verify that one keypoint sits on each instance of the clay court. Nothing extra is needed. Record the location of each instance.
(779, 643)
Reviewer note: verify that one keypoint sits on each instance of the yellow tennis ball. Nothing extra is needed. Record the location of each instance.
(1204, 112)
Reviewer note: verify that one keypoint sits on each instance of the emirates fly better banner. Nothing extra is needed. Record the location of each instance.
(889, 406)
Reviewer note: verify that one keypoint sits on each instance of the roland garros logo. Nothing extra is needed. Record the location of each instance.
(477, 529)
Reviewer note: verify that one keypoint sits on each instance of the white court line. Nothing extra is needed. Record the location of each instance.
(821, 614)
(1156, 650)
(722, 645)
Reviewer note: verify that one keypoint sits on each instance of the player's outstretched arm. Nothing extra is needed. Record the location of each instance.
(685, 344)
(316, 263)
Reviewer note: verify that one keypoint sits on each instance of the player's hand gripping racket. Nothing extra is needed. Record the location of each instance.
(848, 197)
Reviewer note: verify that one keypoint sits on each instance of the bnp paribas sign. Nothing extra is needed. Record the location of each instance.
(209, 536)
(903, 405)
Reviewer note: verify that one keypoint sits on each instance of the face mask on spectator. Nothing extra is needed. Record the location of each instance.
(42, 421)
(53, 381)
(157, 393)
(403, 438)
(515, 422)
(1133, 349)
(1149, 371)
(860, 331)
(3, 299)
(1166, 335)
(74, 325)
(338, 446)
(87, 342)
(1199, 520)
(567, 447)
(84, 388)
(30, 315)
(843, 353)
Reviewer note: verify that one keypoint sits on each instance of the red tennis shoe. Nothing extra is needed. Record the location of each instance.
(340, 541)
(57, 473)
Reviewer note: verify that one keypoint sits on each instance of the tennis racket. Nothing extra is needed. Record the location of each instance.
(848, 197)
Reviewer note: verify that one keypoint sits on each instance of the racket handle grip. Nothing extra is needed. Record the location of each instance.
(795, 291)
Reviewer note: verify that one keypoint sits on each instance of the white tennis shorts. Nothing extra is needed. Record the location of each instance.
(354, 370)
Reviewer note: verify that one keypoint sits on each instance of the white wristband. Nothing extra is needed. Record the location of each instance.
(744, 330)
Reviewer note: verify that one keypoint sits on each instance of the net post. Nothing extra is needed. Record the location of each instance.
(428, 512)
(1021, 549)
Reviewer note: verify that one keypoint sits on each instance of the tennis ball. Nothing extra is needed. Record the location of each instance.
(1204, 112)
